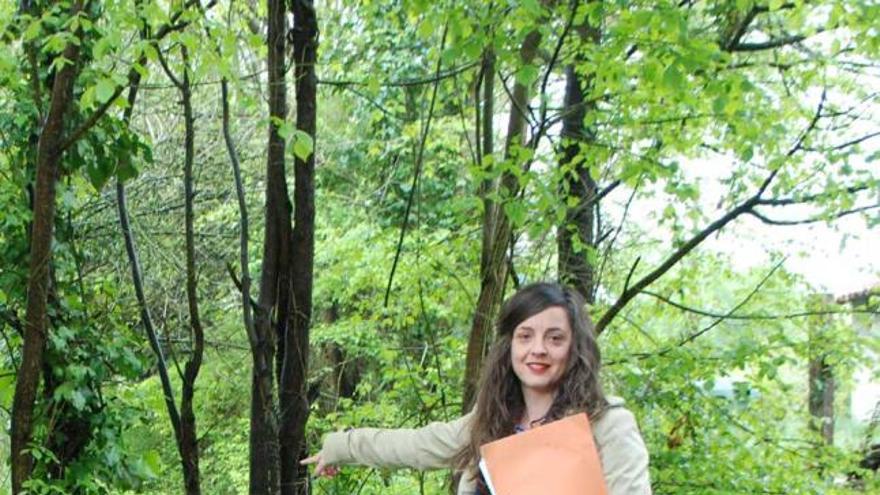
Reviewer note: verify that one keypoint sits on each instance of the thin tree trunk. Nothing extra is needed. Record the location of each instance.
(263, 425)
(821, 397)
(486, 156)
(191, 482)
(576, 235)
(36, 320)
(493, 275)
(187, 440)
(293, 387)
(274, 295)
(189, 448)
(244, 236)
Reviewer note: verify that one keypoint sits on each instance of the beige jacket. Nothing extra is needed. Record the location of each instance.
(618, 440)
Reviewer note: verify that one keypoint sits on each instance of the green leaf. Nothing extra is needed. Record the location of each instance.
(285, 129)
(303, 145)
(78, 399)
(97, 174)
(527, 74)
(672, 78)
(426, 28)
(153, 462)
(7, 387)
(126, 170)
(33, 30)
(104, 90)
(59, 62)
(87, 100)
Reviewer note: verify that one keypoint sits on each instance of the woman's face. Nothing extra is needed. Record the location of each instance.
(540, 348)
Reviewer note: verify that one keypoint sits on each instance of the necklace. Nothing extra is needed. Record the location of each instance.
(521, 427)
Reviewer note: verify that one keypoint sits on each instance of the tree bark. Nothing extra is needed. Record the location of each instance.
(188, 442)
(274, 297)
(36, 322)
(576, 236)
(293, 387)
(487, 150)
(493, 275)
(821, 397)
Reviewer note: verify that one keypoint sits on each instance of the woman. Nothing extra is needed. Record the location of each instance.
(543, 366)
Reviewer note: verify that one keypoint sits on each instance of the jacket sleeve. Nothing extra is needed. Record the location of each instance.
(430, 447)
(623, 453)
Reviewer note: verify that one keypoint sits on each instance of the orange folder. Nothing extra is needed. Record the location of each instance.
(558, 458)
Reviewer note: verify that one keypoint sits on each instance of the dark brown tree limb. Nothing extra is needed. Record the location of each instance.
(810, 198)
(137, 279)
(293, 386)
(188, 444)
(48, 160)
(576, 235)
(274, 296)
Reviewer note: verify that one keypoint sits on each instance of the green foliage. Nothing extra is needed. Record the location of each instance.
(688, 115)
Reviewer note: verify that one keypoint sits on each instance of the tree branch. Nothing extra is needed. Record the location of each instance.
(769, 45)
(404, 83)
(805, 221)
(418, 170)
(786, 316)
(744, 207)
(809, 198)
(718, 319)
(133, 74)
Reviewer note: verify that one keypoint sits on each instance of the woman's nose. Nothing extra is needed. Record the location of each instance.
(538, 348)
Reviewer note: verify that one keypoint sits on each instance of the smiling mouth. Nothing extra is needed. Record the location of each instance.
(537, 367)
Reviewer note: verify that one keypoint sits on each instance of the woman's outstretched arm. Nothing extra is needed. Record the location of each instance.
(430, 447)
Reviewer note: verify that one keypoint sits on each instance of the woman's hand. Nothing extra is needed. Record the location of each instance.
(321, 469)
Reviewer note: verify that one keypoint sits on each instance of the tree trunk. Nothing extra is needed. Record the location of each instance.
(293, 387)
(274, 295)
(576, 236)
(36, 321)
(821, 400)
(820, 388)
(188, 442)
(485, 157)
(493, 275)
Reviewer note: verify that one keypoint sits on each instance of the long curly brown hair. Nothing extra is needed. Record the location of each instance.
(500, 404)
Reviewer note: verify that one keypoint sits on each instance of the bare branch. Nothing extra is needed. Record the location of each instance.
(418, 169)
(768, 45)
(786, 316)
(437, 77)
(718, 319)
(809, 198)
(770, 221)
(847, 144)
